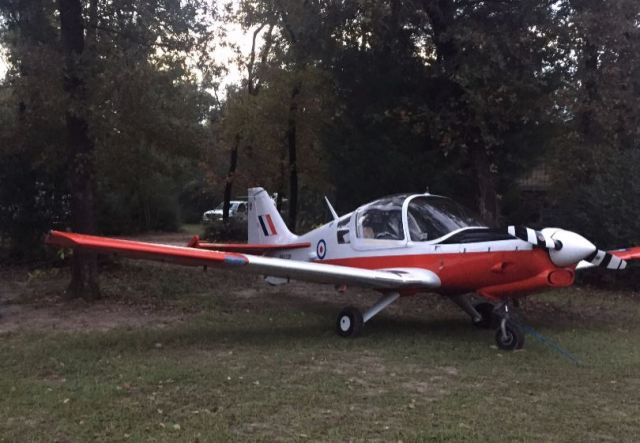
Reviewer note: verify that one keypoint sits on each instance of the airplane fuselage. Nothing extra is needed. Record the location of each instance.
(494, 268)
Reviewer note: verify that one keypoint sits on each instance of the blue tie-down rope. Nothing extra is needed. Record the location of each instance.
(551, 344)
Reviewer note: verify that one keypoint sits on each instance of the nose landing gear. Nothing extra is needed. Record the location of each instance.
(509, 335)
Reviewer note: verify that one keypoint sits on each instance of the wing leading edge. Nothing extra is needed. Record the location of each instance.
(387, 279)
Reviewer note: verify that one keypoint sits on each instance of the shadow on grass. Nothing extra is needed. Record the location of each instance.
(289, 321)
(306, 332)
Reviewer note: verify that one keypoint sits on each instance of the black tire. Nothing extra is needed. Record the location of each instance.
(489, 319)
(514, 339)
(349, 322)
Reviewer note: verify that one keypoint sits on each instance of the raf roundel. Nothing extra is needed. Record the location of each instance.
(321, 249)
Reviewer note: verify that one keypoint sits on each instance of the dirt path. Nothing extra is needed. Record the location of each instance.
(34, 300)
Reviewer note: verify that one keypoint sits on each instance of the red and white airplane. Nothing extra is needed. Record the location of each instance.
(399, 245)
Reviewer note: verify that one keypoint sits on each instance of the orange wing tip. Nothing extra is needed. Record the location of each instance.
(57, 238)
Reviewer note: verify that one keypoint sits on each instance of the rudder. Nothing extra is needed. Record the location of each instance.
(264, 222)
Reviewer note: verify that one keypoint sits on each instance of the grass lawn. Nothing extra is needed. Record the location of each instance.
(178, 354)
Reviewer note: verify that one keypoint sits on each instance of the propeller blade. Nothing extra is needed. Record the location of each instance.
(605, 260)
(534, 237)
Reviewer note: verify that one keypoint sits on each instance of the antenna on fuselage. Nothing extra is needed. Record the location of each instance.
(333, 211)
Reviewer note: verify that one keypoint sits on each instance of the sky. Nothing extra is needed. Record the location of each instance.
(3, 63)
(223, 56)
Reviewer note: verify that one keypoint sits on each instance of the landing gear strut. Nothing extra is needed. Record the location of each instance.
(482, 315)
(509, 335)
(351, 320)
(489, 319)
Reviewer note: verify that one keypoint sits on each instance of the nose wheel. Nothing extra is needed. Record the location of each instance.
(509, 335)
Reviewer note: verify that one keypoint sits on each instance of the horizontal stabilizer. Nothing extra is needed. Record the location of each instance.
(258, 249)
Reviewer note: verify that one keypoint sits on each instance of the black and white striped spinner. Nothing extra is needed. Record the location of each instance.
(605, 260)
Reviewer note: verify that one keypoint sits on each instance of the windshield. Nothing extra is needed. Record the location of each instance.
(432, 217)
(232, 206)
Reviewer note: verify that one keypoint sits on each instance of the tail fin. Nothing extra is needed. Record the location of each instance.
(265, 224)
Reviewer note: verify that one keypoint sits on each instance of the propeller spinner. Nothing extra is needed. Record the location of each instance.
(567, 248)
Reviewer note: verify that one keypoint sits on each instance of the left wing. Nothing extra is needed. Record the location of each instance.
(387, 279)
(628, 254)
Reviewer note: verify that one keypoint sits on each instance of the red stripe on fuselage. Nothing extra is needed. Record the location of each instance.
(271, 225)
(470, 271)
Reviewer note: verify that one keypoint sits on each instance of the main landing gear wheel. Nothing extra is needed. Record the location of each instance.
(350, 322)
(489, 318)
(509, 336)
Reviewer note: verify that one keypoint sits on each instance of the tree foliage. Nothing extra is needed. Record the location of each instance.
(144, 109)
(352, 99)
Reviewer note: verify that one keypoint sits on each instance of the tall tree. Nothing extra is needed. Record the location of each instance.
(600, 145)
(31, 168)
(84, 274)
(475, 45)
(292, 116)
(253, 83)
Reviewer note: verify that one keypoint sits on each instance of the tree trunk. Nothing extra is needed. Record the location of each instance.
(588, 72)
(282, 180)
(486, 180)
(293, 168)
(84, 275)
(228, 186)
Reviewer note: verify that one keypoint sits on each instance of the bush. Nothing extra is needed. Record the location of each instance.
(152, 205)
(32, 201)
(232, 231)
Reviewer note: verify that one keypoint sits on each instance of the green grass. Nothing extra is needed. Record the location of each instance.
(263, 364)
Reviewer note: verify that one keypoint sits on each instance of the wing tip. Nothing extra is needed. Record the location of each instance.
(57, 238)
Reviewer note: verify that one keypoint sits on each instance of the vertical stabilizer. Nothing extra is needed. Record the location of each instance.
(265, 225)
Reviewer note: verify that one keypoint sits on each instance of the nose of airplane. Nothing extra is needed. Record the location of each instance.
(571, 249)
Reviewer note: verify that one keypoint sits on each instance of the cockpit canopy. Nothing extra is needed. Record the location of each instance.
(421, 217)
(381, 219)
